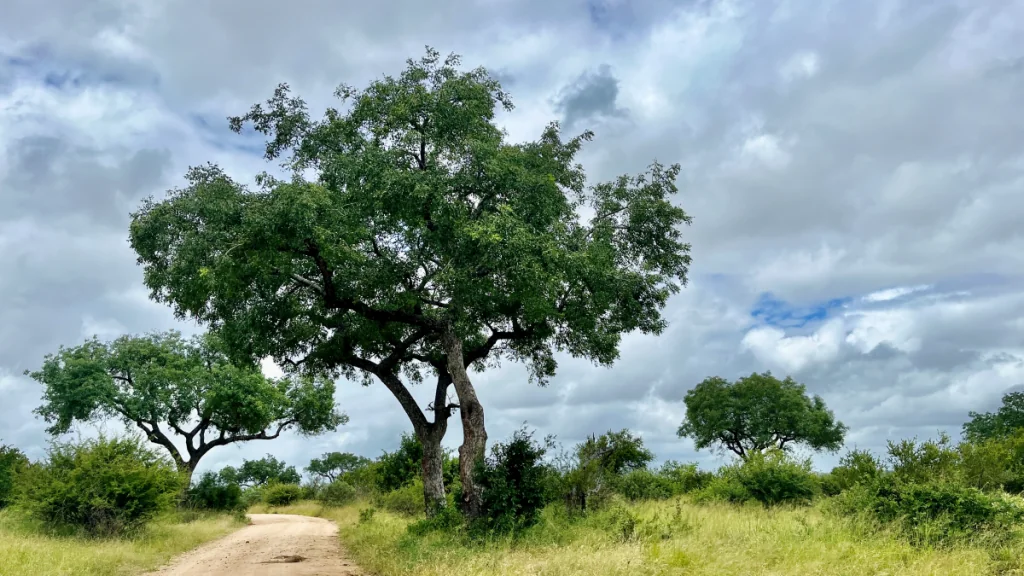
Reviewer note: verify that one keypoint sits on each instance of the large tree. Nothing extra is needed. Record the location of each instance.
(260, 472)
(334, 465)
(168, 386)
(756, 413)
(1004, 422)
(413, 241)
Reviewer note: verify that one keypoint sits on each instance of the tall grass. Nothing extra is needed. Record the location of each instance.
(26, 549)
(655, 538)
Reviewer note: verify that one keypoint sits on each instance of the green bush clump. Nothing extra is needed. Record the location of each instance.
(774, 478)
(337, 493)
(281, 494)
(104, 487)
(771, 479)
(12, 461)
(645, 485)
(685, 478)
(513, 483)
(856, 467)
(932, 512)
(212, 492)
(723, 488)
(406, 500)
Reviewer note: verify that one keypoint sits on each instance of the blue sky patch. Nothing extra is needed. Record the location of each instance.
(773, 311)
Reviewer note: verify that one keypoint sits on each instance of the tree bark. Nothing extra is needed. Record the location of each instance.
(474, 434)
(432, 468)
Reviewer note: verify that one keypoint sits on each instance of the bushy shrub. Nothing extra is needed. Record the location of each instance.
(934, 512)
(617, 452)
(512, 480)
(929, 461)
(364, 479)
(645, 485)
(723, 488)
(12, 461)
(282, 494)
(253, 495)
(771, 479)
(105, 487)
(774, 478)
(398, 469)
(856, 467)
(406, 500)
(337, 493)
(212, 492)
(685, 478)
(993, 464)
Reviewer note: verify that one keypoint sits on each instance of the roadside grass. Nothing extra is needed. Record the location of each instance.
(656, 538)
(26, 549)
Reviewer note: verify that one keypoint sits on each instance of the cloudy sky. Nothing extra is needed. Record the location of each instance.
(855, 171)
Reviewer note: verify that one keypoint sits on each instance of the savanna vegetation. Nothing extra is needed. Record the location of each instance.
(412, 242)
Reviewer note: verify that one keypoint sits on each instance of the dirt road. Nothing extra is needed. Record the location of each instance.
(274, 545)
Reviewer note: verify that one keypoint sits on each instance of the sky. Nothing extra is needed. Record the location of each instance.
(854, 170)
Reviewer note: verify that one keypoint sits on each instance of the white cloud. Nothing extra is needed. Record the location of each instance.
(894, 293)
(794, 353)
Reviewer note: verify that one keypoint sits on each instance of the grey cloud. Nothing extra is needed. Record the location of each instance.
(591, 97)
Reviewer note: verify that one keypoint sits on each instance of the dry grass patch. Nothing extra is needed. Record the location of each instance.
(27, 551)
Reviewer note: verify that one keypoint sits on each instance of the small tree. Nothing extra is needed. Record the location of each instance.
(167, 386)
(266, 470)
(12, 461)
(616, 452)
(758, 412)
(399, 468)
(1002, 423)
(333, 465)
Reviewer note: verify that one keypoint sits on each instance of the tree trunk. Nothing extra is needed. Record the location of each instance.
(432, 468)
(474, 435)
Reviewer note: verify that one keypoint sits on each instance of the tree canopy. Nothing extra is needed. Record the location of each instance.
(412, 239)
(1002, 423)
(332, 465)
(260, 472)
(616, 452)
(168, 386)
(758, 412)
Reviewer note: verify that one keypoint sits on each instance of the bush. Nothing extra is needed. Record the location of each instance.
(856, 467)
(512, 483)
(929, 461)
(774, 479)
(337, 493)
(364, 479)
(282, 494)
(617, 452)
(770, 479)
(12, 461)
(932, 513)
(993, 464)
(406, 500)
(645, 485)
(212, 492)
(398, 469)
(685, 478)
(105, 487)
(723, 488)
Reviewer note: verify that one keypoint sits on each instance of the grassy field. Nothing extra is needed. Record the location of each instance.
(663, 538)
(25, 551)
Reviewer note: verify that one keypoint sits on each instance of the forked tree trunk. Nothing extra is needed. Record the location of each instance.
(432, 468)
(474, 435)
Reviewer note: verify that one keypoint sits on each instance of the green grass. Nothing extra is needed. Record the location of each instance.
(673, 537)
(28, 550)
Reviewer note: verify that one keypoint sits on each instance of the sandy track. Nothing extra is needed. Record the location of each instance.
(273, 545)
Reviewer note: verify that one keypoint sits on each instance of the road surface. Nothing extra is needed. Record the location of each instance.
(273, 545)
